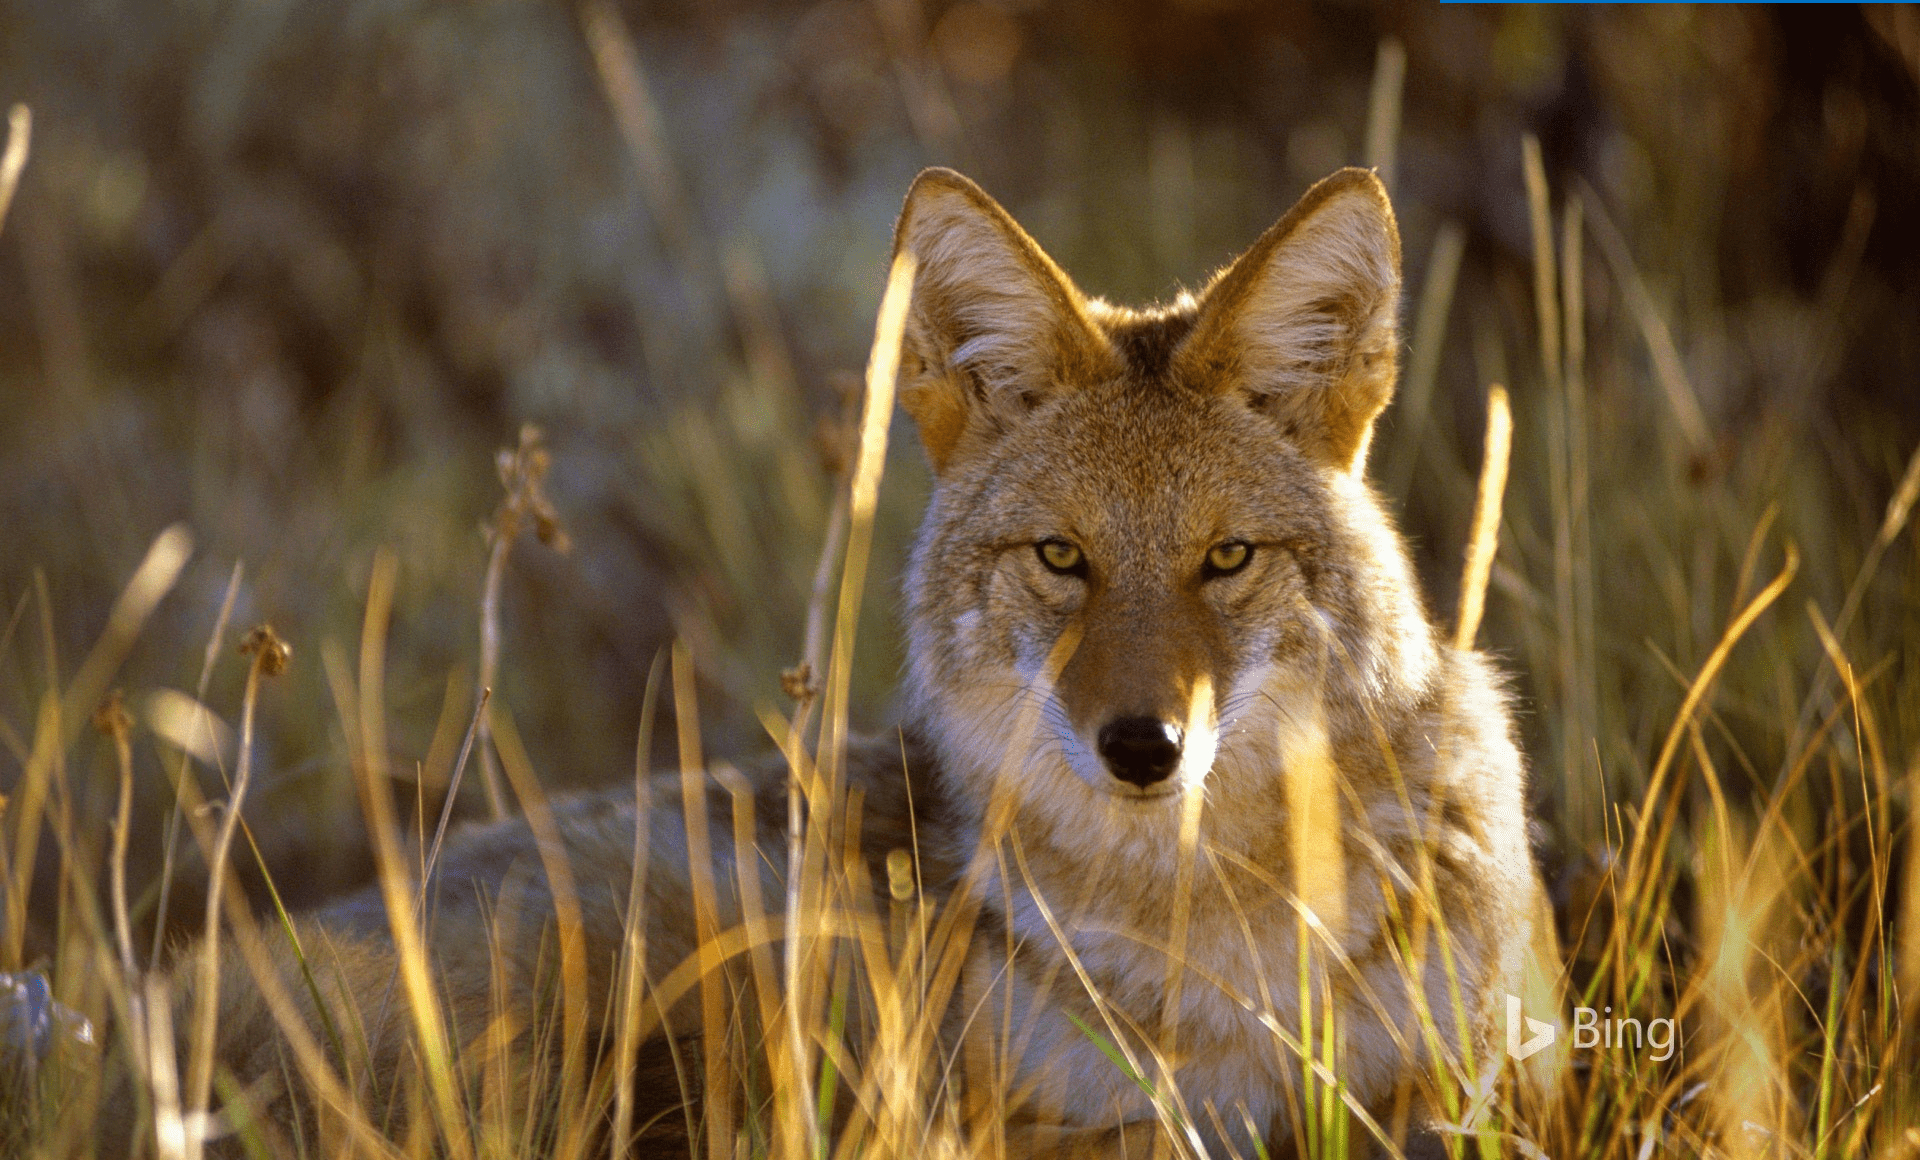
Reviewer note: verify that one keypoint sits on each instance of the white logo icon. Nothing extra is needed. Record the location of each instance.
(1541, 1033)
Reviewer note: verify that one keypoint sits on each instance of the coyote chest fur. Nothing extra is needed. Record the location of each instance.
(1175, 718)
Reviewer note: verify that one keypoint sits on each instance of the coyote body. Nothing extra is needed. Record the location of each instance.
(1175, 717)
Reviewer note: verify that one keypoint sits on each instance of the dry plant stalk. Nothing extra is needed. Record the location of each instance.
(1669, 371)
(200, 722)
(633, 963)
(1423, 359)
(811, 850)
(1638, 852)
(883, 368)
(1540, 218)
(269, 657)
(362, 711)
(1199, 712)
(1383, 108)
(838, 443)
(523, 474)
(571, 930)
(62, 716)
(111, 721)
(617, 64)
(1486, 517)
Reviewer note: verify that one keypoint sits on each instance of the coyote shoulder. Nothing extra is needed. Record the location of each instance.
(1174, 712)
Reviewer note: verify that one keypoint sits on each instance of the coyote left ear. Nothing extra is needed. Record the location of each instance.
(1303, 324)
(994, 326)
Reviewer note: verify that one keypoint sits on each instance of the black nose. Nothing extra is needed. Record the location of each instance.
(1140, 750)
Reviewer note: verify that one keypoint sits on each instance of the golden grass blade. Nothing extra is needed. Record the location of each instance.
(1742, 1017)
(1313, 822)
(570, 927)
(363, 718)
(1486, 517)
(61, 717)
(1900, 505)
(1540, 217)
(633, 966)
(1668, 370)
(883, 367)
(151, 581)
(805, 888)
(162, 1076)
(1870, 758)
(718, 1107)
(26, 808)
(1200, 717)
(1423, 363)
(1893, 521)
(1383, 108)
(19, 134)
(1696, 693)
(952, 935)
(617, 64)
(1908, 941)
(1573, 298)
(1569, 474)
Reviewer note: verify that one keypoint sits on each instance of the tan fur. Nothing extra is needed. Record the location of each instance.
(1144, 439)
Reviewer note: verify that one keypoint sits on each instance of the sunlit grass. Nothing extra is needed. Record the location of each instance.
(1728, 771)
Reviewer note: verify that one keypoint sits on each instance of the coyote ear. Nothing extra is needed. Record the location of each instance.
(1303, 324)
(994, 325)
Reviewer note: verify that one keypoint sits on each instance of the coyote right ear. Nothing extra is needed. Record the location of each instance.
(994, 325)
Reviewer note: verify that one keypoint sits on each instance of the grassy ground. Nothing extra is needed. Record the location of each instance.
(1708, 598)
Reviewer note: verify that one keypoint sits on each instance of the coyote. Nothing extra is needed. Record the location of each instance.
(1174, 715)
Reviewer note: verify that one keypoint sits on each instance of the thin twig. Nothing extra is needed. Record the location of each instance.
(270, 656)
(111, 720)
(199, 719)
(523, 474)
(453, 792)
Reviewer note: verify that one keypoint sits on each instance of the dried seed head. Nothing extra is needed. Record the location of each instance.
(269, 652)
(111, 719)
(797, 682)
(547, 527)
(523, 472)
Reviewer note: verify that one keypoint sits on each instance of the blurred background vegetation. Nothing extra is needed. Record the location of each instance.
(291, 273)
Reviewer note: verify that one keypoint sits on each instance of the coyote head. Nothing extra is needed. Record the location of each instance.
(1149, 529)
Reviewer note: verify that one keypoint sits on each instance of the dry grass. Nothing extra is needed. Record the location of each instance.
(1724, 697)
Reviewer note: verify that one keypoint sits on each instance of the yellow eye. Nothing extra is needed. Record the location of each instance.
(1228, 557)
(1060, 556)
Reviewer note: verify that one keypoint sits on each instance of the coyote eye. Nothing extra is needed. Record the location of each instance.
(1062, 557)
(1228, 558)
